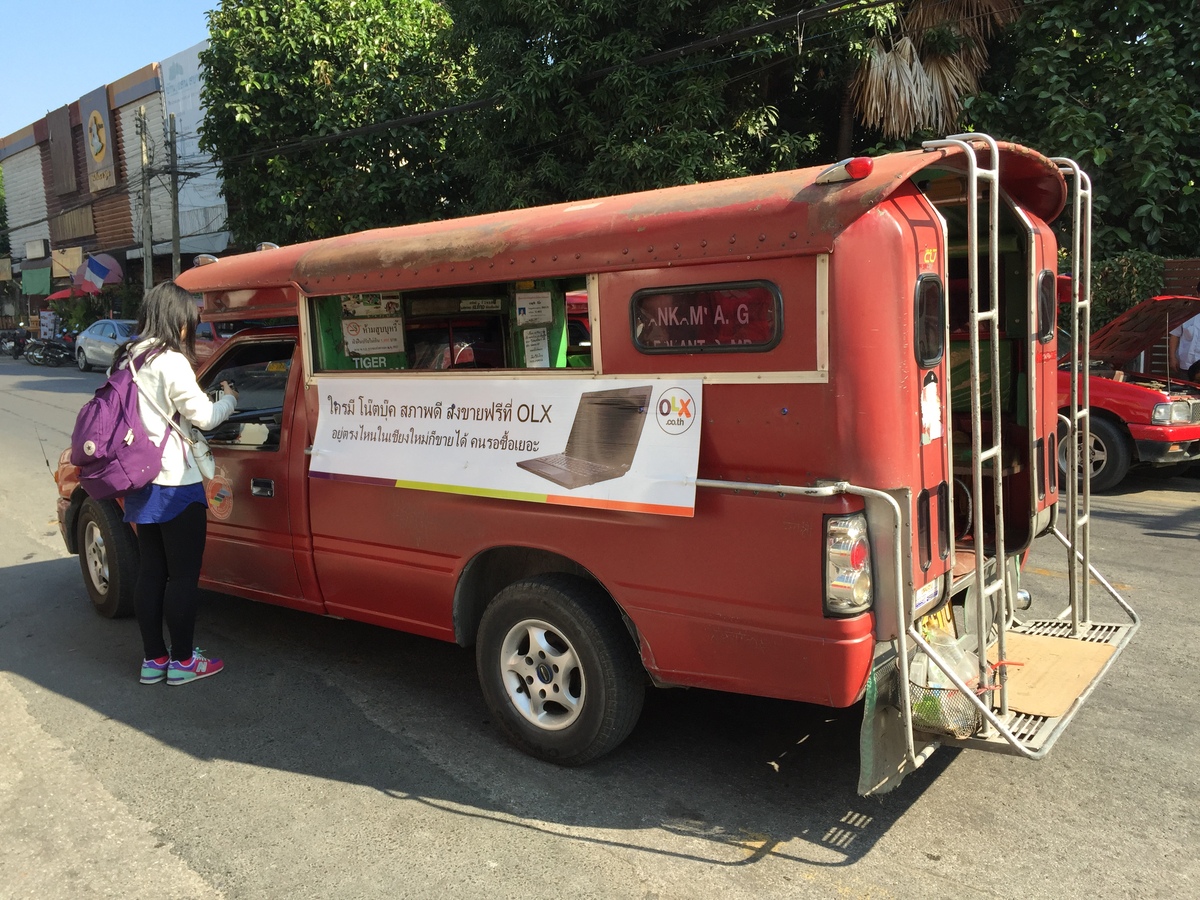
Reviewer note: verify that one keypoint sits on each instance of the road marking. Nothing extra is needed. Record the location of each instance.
(1051, 573)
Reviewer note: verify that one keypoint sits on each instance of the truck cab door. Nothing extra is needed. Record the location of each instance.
(250, 550)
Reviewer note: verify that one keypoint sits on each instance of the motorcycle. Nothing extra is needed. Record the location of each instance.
(50, 352)
(13, 343)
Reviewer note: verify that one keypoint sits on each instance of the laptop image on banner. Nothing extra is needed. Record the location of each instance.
(604, 438)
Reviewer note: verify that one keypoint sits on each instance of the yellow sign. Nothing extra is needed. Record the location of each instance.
(97, 136)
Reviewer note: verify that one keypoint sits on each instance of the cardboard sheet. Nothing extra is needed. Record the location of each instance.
(1055, 672)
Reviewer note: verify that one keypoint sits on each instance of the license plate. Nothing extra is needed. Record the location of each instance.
(942, 620)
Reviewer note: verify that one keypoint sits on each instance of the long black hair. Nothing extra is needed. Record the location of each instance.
(168, 320)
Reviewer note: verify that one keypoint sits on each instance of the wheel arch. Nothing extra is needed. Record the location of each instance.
(1113, 419)
(71, 519)
(1099, 412)
(492, 570)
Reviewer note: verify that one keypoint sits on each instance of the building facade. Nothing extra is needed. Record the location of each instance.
(98, 176)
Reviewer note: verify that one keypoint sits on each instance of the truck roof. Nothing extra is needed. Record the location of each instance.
(777, 214)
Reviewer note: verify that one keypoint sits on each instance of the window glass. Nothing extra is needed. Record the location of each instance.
(259, 373)
(742, 317)
(500, 325)
(457, 344)
(1047, 306)
(930, 317)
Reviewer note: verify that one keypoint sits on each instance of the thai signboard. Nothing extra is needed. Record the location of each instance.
(99, 140)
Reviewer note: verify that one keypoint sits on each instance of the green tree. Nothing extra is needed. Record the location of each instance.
(281, 76)
(923, 59)
(1113, 85)
(576, 111)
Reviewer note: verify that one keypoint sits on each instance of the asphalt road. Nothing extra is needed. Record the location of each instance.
(335, 760)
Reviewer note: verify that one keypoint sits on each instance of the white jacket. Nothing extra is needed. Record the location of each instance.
(169, 379)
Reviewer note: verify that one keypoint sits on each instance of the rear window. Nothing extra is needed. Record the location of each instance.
(930, 317)
(1047, 305)
(747, 316)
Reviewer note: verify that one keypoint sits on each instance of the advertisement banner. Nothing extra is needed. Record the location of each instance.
(620, 444)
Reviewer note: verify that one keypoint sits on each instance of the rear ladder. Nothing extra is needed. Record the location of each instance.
(998, 728)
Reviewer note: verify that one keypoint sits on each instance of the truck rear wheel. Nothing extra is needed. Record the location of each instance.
(108, 557)
(559, 671)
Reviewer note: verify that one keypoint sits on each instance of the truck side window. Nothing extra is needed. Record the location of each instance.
(540, 324)
(259, 373)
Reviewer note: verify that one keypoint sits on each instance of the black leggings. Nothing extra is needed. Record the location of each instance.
(167, 577)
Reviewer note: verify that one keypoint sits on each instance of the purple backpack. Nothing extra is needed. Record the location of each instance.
(109, 444)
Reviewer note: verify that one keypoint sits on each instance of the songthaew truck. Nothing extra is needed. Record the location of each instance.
(811, 437)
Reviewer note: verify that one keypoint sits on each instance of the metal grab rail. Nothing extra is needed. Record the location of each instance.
(995, 585)
(1079, 426)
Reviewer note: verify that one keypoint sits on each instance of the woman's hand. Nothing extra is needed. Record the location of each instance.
(227, 389)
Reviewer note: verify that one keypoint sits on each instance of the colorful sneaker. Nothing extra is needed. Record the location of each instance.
(154, 670)
(181, 672)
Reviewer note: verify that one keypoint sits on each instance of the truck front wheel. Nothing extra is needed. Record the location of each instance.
(108, 557)
(559, 671)
(1108, 457)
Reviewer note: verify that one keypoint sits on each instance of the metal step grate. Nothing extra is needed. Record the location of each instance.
(1038, 733)
(1097, 632)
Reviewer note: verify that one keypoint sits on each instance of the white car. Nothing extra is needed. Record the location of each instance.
(98, 342)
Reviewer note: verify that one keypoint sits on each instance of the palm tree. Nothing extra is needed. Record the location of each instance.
(915, 76)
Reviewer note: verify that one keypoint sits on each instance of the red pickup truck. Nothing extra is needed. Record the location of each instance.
(643, 440)
(1140, 413)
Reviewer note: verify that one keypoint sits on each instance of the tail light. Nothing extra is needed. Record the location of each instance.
(848, 590)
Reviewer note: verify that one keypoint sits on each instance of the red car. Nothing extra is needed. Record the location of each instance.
(1139, 415)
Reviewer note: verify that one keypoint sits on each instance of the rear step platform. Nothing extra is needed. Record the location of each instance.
(1050, 674)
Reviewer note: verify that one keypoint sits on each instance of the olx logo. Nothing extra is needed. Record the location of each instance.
(676, 410)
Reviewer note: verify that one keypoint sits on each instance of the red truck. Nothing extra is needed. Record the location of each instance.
(1141, 414)
(812, 433)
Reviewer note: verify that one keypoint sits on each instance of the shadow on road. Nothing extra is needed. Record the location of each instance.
(732, 778)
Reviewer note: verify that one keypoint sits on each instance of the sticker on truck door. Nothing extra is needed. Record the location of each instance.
(931, 409)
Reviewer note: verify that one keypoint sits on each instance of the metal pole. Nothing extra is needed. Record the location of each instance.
(173, 152)
(147, 227)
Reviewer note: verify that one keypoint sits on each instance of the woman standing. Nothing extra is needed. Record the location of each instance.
(171, 513)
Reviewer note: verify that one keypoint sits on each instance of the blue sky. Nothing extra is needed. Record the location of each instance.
(52, 52)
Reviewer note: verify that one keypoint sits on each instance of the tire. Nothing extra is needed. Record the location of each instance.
(586, 669)
(1110, 455)
(54, 361)
(81, 359)
(108, 558)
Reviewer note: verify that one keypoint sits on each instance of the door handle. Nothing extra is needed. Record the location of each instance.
(262, 487)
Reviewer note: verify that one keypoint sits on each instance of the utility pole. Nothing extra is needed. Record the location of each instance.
(147, 228)
(174, 157)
